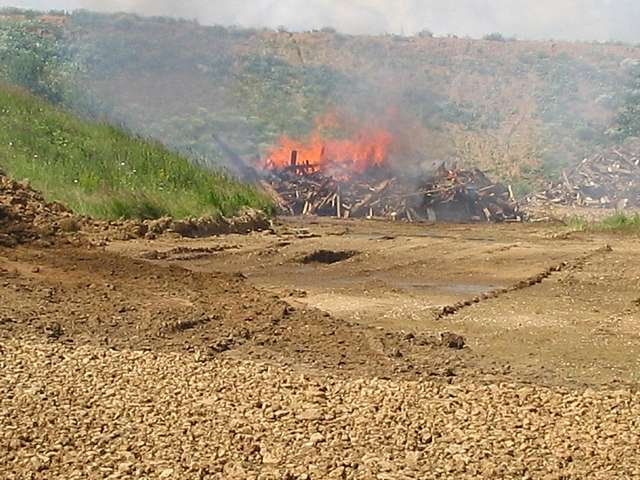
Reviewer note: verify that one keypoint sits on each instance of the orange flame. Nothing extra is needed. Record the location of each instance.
(340, 157)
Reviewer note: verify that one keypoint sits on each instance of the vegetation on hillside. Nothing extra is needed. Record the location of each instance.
(99, 170)
(34, 57)
(627, 122)
(521, 110)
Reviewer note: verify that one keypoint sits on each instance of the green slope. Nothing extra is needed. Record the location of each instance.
(101, 171)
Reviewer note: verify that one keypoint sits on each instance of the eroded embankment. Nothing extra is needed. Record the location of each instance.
(25, 216)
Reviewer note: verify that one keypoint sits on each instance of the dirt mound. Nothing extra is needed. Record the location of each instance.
(249, 220)
(26, 216)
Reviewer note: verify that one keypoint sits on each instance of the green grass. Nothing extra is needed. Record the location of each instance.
(577, 224)
(618, 222)
(101, 171)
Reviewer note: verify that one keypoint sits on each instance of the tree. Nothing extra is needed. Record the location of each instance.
(494, 37)
(627, 122)
(426, 33)
(32, 58)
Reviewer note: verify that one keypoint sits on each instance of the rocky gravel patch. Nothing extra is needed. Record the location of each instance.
(88, 412)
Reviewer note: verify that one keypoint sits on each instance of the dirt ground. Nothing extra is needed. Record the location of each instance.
(82, 295)
(321, 349)
(534, 303)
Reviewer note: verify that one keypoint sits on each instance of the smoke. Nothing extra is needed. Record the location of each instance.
(565, 19)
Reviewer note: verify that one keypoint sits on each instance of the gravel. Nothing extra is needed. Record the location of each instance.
(87, 412)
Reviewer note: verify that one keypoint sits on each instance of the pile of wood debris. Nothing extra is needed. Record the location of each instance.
(609, 179)
(445, 195)
(318, 194)
(467, 195)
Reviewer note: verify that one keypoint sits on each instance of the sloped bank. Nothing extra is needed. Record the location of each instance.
(25, 216)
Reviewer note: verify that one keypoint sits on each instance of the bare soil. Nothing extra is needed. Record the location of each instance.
(85, 296)
(533, 302)
(317, 349)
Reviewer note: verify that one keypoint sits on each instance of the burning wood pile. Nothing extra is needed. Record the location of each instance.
(301, 188)
(610, 179)
(342, 169)
(315, 193)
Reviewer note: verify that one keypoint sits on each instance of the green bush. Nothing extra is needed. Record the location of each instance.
(577, 224)
(33, 61)
(494, 37)
(627, 122)
(426, 33)
(620, 222)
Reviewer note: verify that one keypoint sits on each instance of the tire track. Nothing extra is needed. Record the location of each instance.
(450, 310)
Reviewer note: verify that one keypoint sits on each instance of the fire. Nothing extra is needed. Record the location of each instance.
(369, 148)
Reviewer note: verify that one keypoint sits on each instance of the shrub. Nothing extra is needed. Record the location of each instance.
(494, 37)
(627, 122)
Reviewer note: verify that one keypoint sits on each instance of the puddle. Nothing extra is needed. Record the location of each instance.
(469, 288)
(455, 288)
(464, 288)
(328, 257)
(427, 234)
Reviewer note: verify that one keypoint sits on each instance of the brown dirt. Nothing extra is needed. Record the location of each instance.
(84, 296)
(25, 215)
(348, 350)
(210, 358)
(544, 304)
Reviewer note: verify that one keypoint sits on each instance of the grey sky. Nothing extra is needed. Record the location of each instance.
(560, 19)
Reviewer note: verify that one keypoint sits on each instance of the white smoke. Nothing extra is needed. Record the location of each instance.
(559, 19)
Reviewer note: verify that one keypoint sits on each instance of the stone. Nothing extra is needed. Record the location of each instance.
(316, 438)
(166, 473)
(310, 414)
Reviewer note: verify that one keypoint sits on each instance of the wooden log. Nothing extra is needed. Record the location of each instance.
(273, 193)
(362, 203)
(408, 215)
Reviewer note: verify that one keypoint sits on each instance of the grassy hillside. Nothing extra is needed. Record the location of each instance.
(519, 109)
(102, 171)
